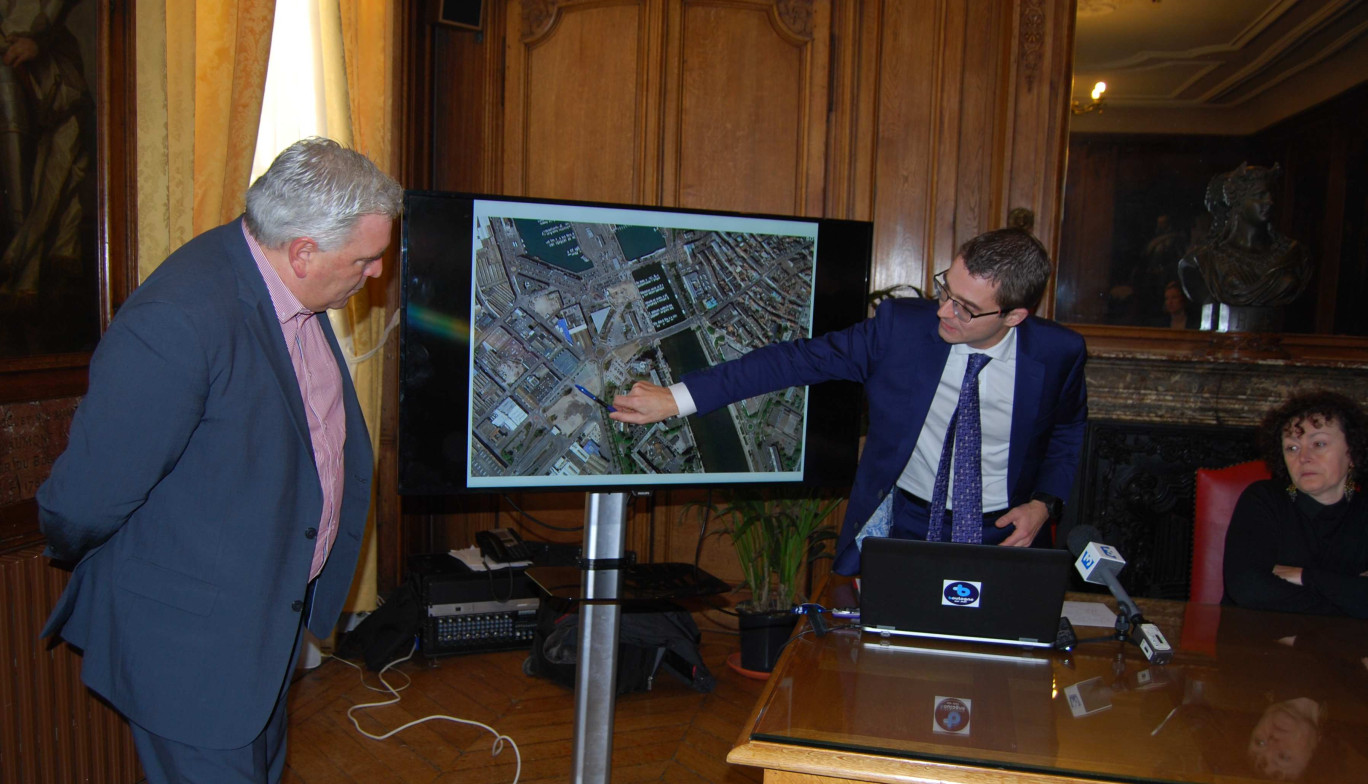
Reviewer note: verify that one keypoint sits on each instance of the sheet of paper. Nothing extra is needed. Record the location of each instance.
(1089, 614)
(470, 556)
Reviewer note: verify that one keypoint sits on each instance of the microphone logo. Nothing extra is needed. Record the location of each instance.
(1087, 559)
(960, 593)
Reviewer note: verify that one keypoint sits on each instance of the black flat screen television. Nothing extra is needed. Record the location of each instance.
(520, 318)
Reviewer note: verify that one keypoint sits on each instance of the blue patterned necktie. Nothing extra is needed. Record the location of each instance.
(963, 438)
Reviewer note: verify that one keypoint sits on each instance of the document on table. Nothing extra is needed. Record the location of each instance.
(1089, 614)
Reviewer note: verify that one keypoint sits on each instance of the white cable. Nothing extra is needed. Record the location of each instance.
(499, 738)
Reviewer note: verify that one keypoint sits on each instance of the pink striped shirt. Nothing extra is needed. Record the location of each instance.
(320, 383)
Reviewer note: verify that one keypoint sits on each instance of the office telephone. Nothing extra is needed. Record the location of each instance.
(502, 545)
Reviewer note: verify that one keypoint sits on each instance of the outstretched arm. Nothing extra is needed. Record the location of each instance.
(847, 354)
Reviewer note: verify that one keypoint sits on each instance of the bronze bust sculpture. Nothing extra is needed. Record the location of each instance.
(1246, 263)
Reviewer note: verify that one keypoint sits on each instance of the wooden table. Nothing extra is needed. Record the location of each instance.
(1246, 693)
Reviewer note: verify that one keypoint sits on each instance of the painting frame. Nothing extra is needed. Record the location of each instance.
(39, 391)
(110, 78)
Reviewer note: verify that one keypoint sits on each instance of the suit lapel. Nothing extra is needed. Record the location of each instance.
(934, 353)
(1030, 377)
(260, 316)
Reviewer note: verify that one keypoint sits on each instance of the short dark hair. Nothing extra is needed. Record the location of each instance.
(1316, 404)
(1013, 259)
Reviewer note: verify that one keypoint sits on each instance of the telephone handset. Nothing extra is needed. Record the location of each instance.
(502, 545)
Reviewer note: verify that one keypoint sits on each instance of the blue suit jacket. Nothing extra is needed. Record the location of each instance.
(189, 496)
(898, 356)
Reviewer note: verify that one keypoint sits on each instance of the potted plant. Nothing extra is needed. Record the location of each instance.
(776, 534)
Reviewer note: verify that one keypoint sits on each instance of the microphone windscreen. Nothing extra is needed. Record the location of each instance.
(1079, 537)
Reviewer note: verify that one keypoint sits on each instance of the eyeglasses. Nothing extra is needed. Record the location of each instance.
(961, 311)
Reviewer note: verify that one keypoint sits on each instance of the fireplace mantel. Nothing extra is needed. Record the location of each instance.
(1213, 380)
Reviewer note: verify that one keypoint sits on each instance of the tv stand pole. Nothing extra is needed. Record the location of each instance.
(605, 522)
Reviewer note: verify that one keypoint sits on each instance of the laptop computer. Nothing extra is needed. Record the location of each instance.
(1009, 595)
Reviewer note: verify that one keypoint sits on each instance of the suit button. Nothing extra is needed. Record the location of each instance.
(297, 606)
(310, 533)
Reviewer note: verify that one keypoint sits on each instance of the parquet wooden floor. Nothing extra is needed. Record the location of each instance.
(669, 734)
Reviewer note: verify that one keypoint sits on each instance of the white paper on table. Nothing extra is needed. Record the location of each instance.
(471, 557)
(1090, 614)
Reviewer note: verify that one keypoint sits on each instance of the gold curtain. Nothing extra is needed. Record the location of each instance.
(361, 55)
(201, 72)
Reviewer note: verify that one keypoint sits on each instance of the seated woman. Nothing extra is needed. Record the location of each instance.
(1299, 542)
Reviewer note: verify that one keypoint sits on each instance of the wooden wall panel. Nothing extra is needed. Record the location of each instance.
(1034, 118)
(581, 100)
(970, 75)
(903, 167)
(466, 135)
(969, 104)
(851, 123)
(746, 106)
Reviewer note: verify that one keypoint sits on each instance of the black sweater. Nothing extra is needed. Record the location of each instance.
(1330, 543)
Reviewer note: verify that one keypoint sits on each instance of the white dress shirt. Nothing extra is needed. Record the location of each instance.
(996, 381)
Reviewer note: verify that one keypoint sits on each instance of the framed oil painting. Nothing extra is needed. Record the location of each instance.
(66, 211)
(65, 107)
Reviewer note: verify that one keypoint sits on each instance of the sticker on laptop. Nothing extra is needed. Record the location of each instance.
(952, 716)
(960, 593)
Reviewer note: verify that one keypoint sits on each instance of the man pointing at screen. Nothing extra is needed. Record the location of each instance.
(976, 407)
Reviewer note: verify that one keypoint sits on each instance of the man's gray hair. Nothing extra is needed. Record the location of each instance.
(319, 189)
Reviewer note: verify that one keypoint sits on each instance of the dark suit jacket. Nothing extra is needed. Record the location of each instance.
(898, 356)
(189, 496)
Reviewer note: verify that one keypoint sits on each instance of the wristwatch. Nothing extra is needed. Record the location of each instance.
(1052, 504)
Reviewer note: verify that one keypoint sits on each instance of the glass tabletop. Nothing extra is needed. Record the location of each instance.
(1248, 697)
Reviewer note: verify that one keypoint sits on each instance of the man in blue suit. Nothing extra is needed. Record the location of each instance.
(214, 490)
(911, 358)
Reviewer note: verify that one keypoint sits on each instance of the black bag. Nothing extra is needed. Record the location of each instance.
(388, 632)
(647, 643)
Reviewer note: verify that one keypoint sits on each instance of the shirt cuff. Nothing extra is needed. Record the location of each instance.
(683, 400)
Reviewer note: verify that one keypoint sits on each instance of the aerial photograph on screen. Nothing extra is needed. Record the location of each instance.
(569, 309)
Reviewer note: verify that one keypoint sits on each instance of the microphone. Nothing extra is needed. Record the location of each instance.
(1099, 563)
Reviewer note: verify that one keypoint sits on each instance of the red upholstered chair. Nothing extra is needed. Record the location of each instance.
(1217, 491)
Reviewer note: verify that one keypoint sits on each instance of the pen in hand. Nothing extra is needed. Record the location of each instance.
(594, 398)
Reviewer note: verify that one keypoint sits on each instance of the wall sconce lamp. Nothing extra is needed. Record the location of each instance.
(1097, 100)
